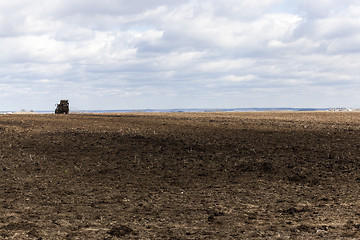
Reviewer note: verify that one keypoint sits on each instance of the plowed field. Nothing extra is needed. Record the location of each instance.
(269, 175)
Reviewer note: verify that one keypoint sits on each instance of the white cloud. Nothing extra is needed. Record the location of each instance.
(154, 54)
(322, 8)
(234, 78)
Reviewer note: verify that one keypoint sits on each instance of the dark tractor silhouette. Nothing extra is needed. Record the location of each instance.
(62, 107)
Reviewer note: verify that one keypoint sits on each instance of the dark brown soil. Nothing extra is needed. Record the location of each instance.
(180, 176)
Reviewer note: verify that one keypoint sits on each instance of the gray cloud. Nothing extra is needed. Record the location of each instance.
(169, 54)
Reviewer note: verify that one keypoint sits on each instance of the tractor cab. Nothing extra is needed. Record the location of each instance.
(62, 107)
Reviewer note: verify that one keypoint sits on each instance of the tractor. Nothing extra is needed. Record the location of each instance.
(62, 107)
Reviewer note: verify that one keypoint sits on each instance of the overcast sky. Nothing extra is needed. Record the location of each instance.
(122, 54)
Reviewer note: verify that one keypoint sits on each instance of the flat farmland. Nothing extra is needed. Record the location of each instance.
(266, 175)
